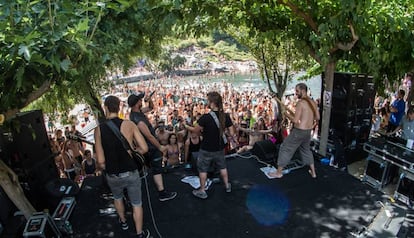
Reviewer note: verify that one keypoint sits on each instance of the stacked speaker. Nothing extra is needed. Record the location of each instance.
(31, 157)
(352, 107)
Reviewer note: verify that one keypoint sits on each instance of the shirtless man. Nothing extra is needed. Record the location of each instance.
(255, 134)
(304, 119)
(162, 134)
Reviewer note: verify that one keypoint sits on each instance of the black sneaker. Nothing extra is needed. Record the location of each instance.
(144, 234)
(124, 225)
(165, 196)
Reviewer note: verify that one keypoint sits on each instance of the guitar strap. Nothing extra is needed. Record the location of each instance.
(315, 114)
(216, 120)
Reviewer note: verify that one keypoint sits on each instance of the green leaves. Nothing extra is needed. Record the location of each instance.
(74, 44)
(24, 51)
(64, 64)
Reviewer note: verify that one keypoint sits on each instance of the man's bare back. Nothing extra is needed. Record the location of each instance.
(304, 116)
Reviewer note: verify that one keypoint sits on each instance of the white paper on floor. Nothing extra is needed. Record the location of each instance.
(267, 170)
(194, 181)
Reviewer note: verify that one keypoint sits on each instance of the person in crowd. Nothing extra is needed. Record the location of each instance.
(304, 120)
(57, 156)
(375, 121)
(243, 135)
(162, 134)
(155, 153)
(76, 146)
(257, 133)
(212, 126)
(192, 145)
(406, 126)
(121, 170)
(172, 156)
(249, 119)
(60, 139)
(385, 117)
(181, 133)
(88, 164)
(397, 109)
(70, 164)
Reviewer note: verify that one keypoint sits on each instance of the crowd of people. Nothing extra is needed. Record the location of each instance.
(395, 115)
(176, 103)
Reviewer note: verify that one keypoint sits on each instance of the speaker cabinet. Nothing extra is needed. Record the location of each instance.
(266, 151)
(405, 189)
(31, 157)
(352, 107)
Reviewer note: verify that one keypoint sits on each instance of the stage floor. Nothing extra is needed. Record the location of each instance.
(333, 205)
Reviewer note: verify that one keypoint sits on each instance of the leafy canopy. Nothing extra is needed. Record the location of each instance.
(64, 49)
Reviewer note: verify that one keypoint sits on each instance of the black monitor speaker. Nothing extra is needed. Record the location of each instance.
(266, 151)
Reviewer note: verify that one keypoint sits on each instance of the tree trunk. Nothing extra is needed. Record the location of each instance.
(326, 104)
(10, 184)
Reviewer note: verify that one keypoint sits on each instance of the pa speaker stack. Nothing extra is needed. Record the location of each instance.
(352, 107)
(31, 156)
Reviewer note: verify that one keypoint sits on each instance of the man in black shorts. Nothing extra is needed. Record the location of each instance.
(156, 150)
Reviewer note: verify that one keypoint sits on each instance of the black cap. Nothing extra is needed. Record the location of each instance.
(134, 98)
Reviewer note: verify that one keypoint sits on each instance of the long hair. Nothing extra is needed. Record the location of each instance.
(215, 97)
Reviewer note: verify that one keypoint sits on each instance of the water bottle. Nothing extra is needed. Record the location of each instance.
(68, 227)
(331, 160)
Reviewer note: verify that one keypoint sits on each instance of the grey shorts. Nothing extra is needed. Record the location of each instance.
(206, 159)
(129, 180)
(297, 139)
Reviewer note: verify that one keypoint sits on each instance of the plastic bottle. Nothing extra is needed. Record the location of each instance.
(68, 227)
(331, 160)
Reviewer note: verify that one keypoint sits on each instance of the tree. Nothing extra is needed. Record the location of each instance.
(166, 62)
(363, 32)
(62, 50)
(277, 57)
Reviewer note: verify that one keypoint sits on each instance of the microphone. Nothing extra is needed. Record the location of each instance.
(149, 96)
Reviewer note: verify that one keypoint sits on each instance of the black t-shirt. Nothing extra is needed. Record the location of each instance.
(117, 159)
(137, 117)
(212, 141)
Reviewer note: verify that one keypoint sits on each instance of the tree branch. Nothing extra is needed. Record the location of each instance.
(306, 17)
(30, 98)
(346, 46)
(315, 56)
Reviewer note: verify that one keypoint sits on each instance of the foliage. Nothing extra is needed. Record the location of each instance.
(371, 37)
(65, 48)
(166, 62)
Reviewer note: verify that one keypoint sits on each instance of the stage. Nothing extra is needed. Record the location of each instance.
(335, 204)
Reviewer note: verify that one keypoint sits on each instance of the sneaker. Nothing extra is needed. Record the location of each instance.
(124, 225)
(165, 196)
(228, 188)
(200, 194)
(144, 234)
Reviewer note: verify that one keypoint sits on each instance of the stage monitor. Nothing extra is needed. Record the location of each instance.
(405, 189)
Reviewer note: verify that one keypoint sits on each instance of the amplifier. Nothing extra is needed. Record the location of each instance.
(41, 225)
(405, 189)
(392, 152)
(62, 214)
(376, 172)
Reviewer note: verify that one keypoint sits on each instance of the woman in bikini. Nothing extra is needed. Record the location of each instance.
(172, 156)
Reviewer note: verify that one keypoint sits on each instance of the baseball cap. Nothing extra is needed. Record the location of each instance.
(134, 98)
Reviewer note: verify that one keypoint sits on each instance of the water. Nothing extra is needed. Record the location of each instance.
(252, 82)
